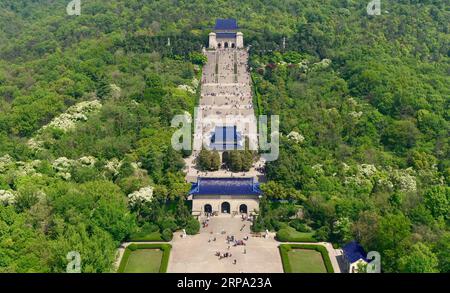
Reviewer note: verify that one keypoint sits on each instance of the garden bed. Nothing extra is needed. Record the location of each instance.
(305, 258)
(145, 258)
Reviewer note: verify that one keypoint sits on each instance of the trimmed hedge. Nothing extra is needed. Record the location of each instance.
(134, 246)
(289, 234)
(146, 237)
(285, 248)
(167, 235)
(192, 227)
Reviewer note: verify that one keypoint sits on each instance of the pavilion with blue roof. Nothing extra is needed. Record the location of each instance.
(226, 25)
(226, 138)
(225, 195)
(354, 253)
(226, 34)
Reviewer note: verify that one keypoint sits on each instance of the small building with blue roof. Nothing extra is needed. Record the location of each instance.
(354, 255)
(225, 195)
(226, 138)
(226, 25)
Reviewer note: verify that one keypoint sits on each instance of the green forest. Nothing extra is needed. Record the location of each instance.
(85, 137)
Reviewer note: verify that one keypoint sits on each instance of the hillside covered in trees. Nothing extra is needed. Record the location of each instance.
(86, 103)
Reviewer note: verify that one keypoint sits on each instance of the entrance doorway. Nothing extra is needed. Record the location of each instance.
(208, 208)
(225, 208)
(226, 44)
(243, 209)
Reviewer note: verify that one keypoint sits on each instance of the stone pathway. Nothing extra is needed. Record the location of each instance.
(194, 254)
(226, 99)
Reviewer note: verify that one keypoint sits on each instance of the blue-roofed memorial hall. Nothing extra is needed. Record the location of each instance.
(225, 195)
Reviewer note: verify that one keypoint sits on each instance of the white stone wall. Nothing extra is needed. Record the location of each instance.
(354, 266)
(239, 40)
(212, 41)
(222, 41)
(198, 204)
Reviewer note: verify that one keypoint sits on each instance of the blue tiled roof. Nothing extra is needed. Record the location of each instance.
(226, 24)
(354, 251)
(226, 35)
(226, 137)
(225, 134)
(225, 186)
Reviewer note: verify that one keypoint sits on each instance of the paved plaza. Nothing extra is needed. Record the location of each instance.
(194, 254)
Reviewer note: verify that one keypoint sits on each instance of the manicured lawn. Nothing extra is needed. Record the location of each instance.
(145, 258)
(144, 261)
(306, 261)
(305, 258)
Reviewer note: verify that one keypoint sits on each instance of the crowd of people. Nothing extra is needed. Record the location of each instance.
(232, 242)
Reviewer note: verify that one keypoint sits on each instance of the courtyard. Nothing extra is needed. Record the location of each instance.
(198, 253)
(195, 254)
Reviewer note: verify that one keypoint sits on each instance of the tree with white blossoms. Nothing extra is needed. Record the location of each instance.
(404, 180)
(7, 197)
(116, 91)
(324, 63)
(342, 229)
(140, 197)
(75, 113)
(5, 161)
(296, 137)
(62, 167)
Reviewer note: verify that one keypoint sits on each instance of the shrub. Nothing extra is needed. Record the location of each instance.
(149, 227)
(198, 58)
(84, 174)
(192, 227)
(258, 224)
(148, 232)
(299, 226)
(168, 223)
(322, 233)
(277, 225)
(290, 235)
(167, 234)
